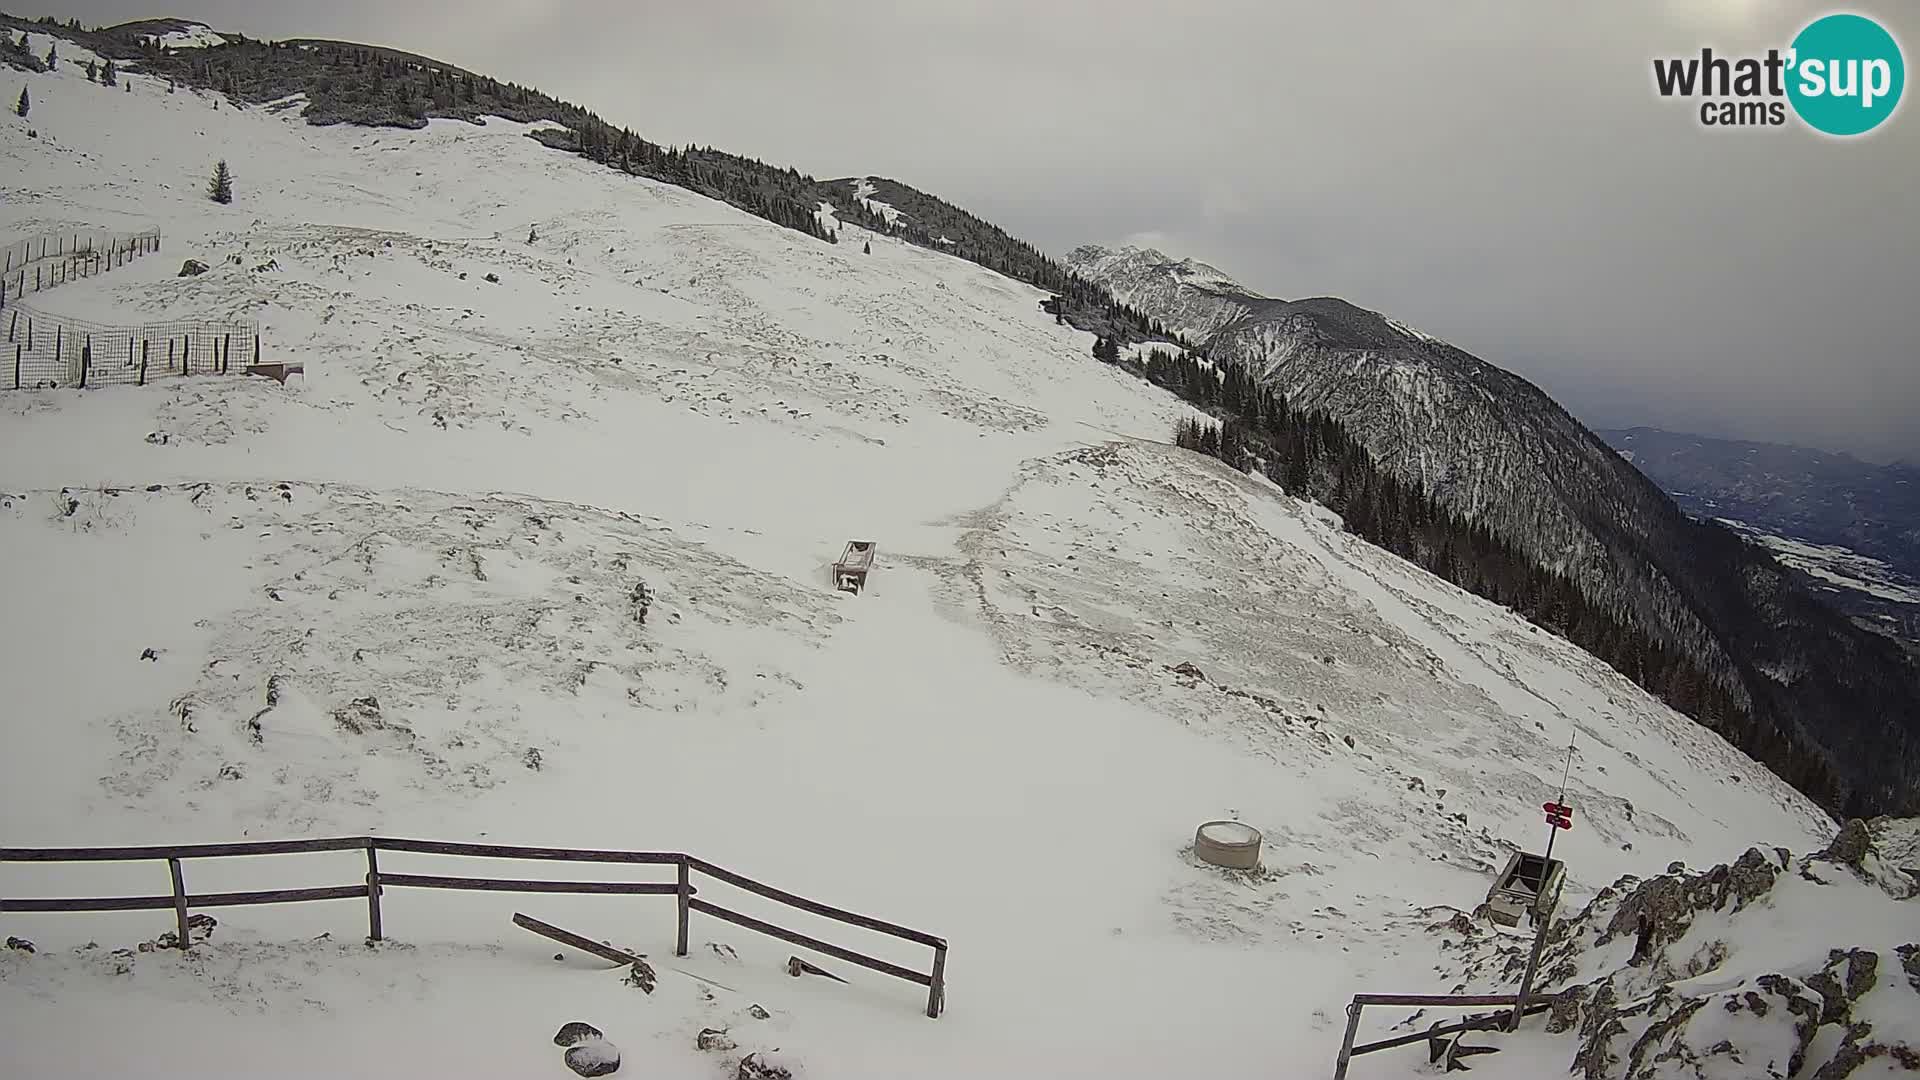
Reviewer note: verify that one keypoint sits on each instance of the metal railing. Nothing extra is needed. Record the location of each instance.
(682, 888)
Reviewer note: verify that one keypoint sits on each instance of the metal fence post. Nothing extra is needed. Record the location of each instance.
(1533, 962)
(179, 902)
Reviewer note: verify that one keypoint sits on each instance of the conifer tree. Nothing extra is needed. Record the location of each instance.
(21, 107)
(866, 248)
(93, 72)
(221, 188)
(109, 75)
(53, 57)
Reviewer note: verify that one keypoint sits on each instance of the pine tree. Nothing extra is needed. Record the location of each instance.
(866, 248)
(53, 57)
(109, 74)
(21, 107)
(93, 72)
(221, 188)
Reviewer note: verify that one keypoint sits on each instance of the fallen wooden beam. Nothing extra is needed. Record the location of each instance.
(797, 967)
(568, 937)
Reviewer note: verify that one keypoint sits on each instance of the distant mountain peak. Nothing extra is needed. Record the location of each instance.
(1137, 259)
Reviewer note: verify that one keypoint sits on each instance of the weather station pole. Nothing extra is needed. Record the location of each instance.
(1559, 816)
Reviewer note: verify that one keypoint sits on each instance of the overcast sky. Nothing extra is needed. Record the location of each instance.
(1501, 175)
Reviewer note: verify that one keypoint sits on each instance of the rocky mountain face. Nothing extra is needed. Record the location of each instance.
(1772, 965)
(1189, 297)
(1492, 447)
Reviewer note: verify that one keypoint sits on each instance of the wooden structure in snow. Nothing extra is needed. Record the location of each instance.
(377, 881)
(850, 573)
(1530, 886)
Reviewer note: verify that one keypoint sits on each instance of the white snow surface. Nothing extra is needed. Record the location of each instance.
(1834, 564)
(1229, 833)
(449, 512)
(863, 192)
(191, 36)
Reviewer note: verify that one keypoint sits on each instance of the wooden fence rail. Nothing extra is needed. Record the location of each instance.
(682, 888)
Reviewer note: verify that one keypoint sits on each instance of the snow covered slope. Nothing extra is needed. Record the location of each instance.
(396, 595)
(1823, 701)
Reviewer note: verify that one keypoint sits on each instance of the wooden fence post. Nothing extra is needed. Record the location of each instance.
(86, 360)
(937, 990)
(169, 354)
(226, 354)
(179, 902)
(12, 325)
(686, 892)
(16, 366)
(256, 348)
(59, 339)
(1346, 1044)
(373, 891)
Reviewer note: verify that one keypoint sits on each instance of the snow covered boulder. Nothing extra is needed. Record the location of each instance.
(575, 1031)
(193, 268)
(593, 1057)
(764, 1066)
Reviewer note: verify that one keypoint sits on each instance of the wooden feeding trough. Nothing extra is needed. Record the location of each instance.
(276, 370)
(850, 573)
(1529, 886)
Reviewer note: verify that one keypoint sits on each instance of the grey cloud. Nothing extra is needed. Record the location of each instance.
(1502, 175)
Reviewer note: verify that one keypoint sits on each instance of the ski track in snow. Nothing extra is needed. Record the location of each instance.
(449, 514)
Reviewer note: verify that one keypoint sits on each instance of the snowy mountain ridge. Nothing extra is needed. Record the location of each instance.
(398, 595)
(1833, 705)
(1189, 297)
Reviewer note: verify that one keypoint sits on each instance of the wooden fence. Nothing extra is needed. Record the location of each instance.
(682, 888)
(40, 263)
(47, 352)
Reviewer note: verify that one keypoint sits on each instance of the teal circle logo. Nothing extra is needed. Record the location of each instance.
(1847, 74)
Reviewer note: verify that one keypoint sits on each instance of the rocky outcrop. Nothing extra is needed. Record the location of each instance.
(1652, 979)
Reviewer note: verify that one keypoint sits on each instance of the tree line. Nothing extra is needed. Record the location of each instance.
(1313, 455)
